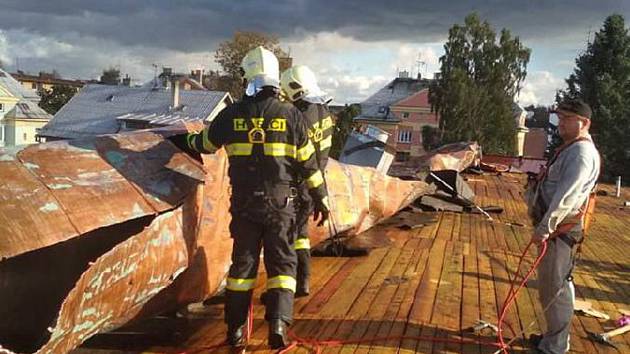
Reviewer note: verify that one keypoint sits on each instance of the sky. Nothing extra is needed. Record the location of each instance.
(355, 46)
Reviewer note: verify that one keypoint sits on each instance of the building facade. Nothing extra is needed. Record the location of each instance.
(401, 109)
(20, 116)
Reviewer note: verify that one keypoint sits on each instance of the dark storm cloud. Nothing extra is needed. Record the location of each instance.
(200, 25)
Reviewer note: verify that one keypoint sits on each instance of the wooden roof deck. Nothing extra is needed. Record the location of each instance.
(430, 281)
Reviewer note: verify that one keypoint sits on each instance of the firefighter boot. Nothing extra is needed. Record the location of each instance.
(236, 335)
(302, 288)
(278, 334)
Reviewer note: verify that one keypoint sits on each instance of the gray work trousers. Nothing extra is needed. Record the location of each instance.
(557, 294)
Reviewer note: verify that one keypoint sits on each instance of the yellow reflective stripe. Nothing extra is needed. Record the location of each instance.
(191, 140)
(315, 180)
(240, 284)
(304, 153)
(280, 149)
(281, 282)
(302, 244)
(239, 149)
(325, 202)
(326, 143)
(207, 145)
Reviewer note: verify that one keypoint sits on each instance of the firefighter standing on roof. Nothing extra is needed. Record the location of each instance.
(558, 204)
(300, 87)
(269, 152)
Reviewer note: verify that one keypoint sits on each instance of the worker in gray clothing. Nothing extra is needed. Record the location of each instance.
(557, 204)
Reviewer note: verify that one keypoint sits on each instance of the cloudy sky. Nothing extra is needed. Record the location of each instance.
(355, 46)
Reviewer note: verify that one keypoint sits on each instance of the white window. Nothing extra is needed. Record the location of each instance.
(405, 114)
(404, 136)
(1, 107)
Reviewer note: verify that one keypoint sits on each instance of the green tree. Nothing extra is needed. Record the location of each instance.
(231, 52)
(602, 79)
(480, 76)
(430, 137)
(343, 128)
(110, 76)
(52, 100)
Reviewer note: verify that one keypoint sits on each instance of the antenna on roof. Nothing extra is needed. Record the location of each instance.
(419, 64)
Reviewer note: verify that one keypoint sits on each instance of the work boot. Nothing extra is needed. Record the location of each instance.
(236, 336)
(278, 334)
(302, 289)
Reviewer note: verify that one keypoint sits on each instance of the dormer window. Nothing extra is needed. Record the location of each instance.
(110, 98)
(382, 109)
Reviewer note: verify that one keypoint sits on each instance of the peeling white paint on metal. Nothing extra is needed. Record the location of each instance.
(137, 211)
(60, 186)
(89, 312)
(31, 166)
(49, 207)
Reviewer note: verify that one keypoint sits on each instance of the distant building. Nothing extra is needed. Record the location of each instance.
(186, 82)
(105, 109)
(20, 116)
(401, 108)
(44, 81)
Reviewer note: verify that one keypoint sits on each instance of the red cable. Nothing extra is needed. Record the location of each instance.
(513, 293)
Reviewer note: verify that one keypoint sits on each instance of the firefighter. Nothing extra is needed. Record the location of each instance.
(268, 153)
(299, 86)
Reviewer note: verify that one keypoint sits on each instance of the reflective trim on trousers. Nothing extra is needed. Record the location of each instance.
(240, 284)
(281, 282)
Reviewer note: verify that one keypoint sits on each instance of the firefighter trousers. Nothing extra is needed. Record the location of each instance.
(262, 222)
(304, 209)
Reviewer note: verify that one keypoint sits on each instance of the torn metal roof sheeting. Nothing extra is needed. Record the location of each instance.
(132, 265)
(52, 192)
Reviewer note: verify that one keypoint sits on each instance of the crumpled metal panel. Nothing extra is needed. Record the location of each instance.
(456, 156)
(190, 247)
(23, 198)
(89, 185)
(114, 289)
(514, 164)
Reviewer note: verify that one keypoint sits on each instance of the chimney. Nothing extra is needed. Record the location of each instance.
(175, 86)
(126, 81)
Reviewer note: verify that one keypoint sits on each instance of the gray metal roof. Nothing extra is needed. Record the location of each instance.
(376, 107)
(16, 89)
(26, 109)
(97, 109)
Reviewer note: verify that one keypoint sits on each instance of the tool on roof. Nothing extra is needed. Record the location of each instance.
(604, 338)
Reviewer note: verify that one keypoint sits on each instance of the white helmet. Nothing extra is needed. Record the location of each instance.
(299, 82)
(260, 67)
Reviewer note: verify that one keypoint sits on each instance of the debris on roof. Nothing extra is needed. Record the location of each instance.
(105, 231)
(456, 156)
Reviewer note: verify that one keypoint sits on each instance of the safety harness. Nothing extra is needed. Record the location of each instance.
(586, 210)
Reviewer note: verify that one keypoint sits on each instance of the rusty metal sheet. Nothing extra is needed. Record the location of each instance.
(22, 198)
(515, 164)
(116, 286)
(456, 156)
(94, 184)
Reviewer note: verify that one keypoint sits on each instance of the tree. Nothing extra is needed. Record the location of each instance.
(110, 76)
(430, 137)
(52, 100)
(343, 127)
(602, 79)
(479, 79)
(231, 52)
